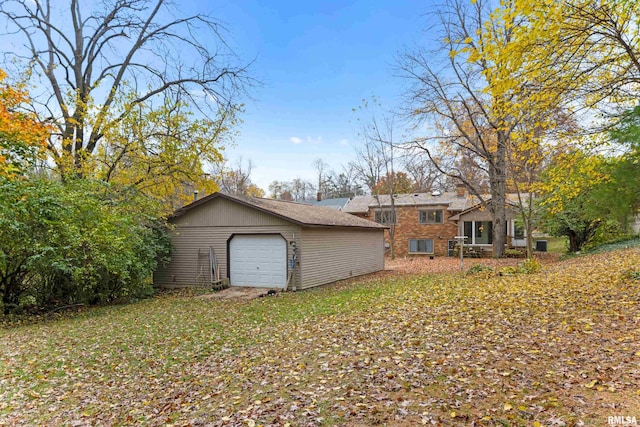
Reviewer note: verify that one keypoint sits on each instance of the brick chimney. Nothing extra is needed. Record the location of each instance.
(461, 190)
(319, 196)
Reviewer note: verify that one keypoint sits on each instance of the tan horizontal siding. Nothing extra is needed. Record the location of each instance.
(333, 254)
(324, 254)
(183, 269)
(222, 212)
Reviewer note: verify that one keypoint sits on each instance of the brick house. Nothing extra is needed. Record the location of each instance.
(427, 223)
(423, 224)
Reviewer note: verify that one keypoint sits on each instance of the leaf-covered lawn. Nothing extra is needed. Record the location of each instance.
(559, 347)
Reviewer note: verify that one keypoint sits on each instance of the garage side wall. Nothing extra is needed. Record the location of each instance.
(211, 225)
(335, 254)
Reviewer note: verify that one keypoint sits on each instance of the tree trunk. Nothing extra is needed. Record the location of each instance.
(579, 238)
(529, 237)
(498, 177)
(574, 245)
(392, 229)
(10, 298)
(527, 216)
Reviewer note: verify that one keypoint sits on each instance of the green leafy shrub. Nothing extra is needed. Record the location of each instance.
(632, 275)
(481, 270)
(528, 266)
(609, 231)
(81, 242)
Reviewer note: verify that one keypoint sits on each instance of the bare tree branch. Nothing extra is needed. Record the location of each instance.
(90, 57)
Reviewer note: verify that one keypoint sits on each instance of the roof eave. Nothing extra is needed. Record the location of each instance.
(197, 203)
(382, 227)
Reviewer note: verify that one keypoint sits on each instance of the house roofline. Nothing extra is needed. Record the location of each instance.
(456, 217)
(183, 210)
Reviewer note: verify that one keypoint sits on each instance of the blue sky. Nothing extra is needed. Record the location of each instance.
(316, 60)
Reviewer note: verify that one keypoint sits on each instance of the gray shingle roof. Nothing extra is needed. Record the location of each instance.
(296, 212)
(338, 203)
(361, 204)
(511, 199)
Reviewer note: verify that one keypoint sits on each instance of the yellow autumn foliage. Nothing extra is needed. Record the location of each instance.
(162, 150)
(571, 174)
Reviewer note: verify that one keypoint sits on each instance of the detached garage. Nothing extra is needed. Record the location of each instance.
(268, 243)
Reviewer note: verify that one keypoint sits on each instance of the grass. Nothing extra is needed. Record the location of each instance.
(556, 245)
(556, 347)
(631, 242)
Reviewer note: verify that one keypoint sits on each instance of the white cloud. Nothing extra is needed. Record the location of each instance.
(308, 140)
(344, 141)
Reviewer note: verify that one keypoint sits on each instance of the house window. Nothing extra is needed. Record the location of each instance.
(518, 229)
(468, 232)
(478, 232)
(421, 246)
(385, 217)
(484, 233)
(430, 217)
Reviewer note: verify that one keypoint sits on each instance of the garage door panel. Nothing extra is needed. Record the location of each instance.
(258, 260)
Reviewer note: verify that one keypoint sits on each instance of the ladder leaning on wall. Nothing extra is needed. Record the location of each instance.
(209, 269)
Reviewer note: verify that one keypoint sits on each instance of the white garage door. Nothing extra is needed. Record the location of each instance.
(258, 260)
